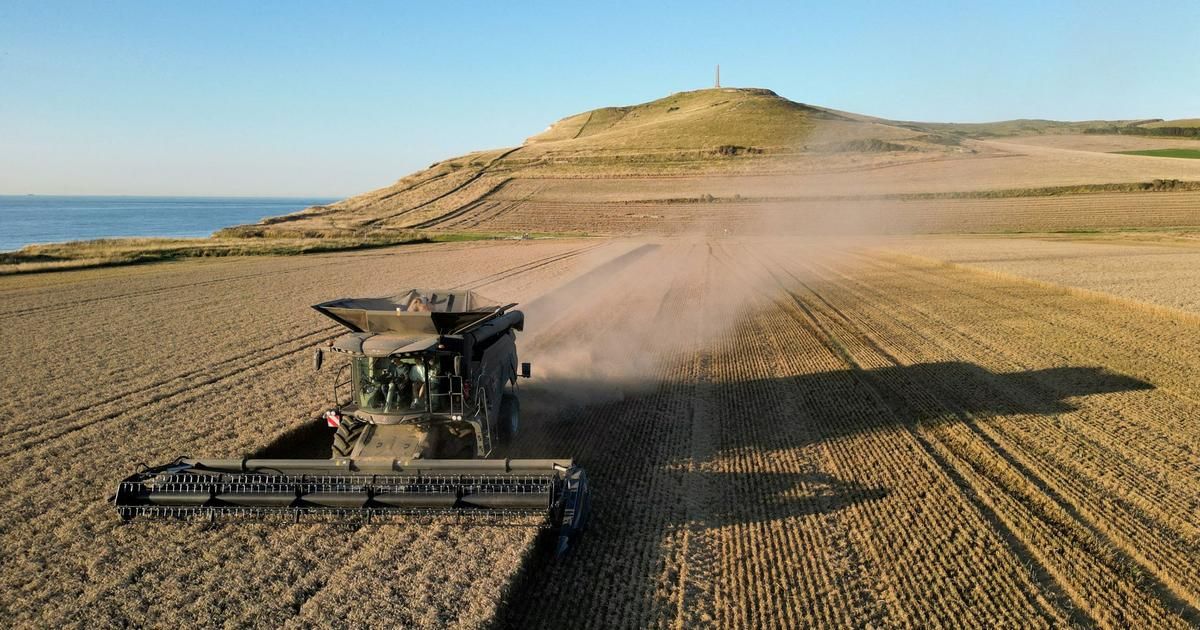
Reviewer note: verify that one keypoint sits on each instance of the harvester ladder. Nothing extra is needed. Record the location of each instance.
(450, 388)
(484, 437)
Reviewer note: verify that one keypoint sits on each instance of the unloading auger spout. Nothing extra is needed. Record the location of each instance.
(425, 402)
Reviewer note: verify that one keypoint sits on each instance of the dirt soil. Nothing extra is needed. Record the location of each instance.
(779, 434)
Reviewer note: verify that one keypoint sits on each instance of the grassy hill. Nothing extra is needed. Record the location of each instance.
(720, 131)
(695, 138)
(699, 120)
(712, 123)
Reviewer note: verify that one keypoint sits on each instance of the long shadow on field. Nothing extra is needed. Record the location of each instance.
(637, 442)
(311, 440)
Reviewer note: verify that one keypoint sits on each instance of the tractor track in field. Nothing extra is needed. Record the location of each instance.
(886, 400)
(198, 387)
(498, 208)
(625, 454)
(1067, 319)
(217, 281)
(859, 604)
(483, 170)
(298, 542)
(1149, 454)
(893, 400)
(700, 557)
(1145, 459)
(462, 210)
(1072, 505)
(1173, 596)
(520, 269)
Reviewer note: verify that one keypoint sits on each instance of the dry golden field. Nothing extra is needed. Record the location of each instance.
(1102, 142)
(112, 367)
(512, 212)
(1145, 268)
(796, 407)
(780, 433)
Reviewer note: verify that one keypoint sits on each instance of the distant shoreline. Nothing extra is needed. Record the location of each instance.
(35, 219)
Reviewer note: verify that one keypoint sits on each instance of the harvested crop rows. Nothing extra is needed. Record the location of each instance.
(911, 445)
(846, 215)
(779, 434)
(1145, 269)
(155, 374)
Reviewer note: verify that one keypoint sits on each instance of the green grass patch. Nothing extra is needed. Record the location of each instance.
(1191, 154)
(1158, 185)
(699, 120)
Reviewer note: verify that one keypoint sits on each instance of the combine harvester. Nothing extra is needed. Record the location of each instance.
(427, 397)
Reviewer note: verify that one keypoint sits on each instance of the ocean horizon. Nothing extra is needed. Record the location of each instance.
(32, 219)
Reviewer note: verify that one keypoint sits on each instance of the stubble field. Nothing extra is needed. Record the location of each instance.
(1146, 269)
(780, 433)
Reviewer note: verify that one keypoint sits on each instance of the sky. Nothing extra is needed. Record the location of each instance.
(332, 99)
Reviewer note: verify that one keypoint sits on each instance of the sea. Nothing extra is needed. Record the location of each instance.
(26, 219)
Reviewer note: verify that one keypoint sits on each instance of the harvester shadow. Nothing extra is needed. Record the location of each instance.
(957, 390)
(311, 440)
(642, 445)
(773, 495)
(599, 422)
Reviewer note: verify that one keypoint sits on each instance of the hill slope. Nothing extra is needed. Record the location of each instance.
(727, 155)
(698, 120)
(706, 132)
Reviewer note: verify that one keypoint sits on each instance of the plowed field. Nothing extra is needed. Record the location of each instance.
(779, 434)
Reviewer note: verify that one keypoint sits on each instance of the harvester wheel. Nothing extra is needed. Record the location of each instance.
(510, 416)
(346, 436)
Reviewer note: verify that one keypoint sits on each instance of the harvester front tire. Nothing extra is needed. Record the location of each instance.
(346, 437)
(510, 417)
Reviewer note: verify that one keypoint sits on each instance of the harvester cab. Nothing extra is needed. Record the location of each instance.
(432, 374)
(423, 404)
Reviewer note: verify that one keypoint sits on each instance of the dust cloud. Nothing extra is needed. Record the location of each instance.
(640, 303)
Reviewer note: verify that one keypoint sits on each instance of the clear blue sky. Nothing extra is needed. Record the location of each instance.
(289, 98)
